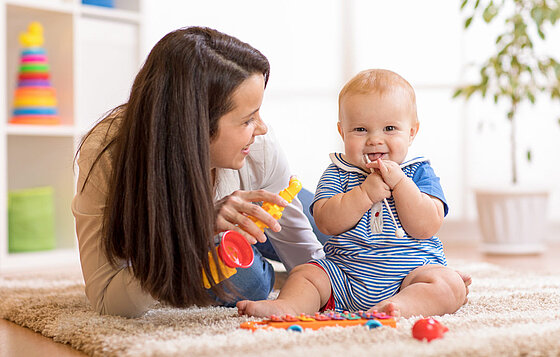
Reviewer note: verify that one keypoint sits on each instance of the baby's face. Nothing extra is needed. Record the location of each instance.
(380, 127)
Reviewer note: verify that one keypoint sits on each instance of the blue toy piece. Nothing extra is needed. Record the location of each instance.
(296, 328)
(373, 324)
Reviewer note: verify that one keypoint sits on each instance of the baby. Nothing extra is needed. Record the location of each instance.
(365, 199)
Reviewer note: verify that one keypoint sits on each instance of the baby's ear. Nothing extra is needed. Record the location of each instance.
(339, 127)
(413, 132)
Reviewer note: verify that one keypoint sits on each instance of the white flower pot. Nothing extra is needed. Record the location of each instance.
(512, 220)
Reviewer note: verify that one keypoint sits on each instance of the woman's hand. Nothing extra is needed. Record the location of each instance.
(232, 213)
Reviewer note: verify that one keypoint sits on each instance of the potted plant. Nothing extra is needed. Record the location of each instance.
(513, 220)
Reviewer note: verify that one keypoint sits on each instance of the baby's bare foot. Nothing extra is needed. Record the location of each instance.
(264, 308)
(467, 279)
(388, 307)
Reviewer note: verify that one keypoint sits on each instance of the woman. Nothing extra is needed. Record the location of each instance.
(182, 160)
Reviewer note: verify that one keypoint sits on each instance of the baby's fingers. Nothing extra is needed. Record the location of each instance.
(382, 168)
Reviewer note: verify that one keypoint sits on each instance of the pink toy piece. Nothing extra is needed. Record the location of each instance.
(289, 318)
(428, 329)
(235, 251)
(275, 318)
(337, 316)
(321, 317)
(34, 58)
(366, 315)
(381, 315)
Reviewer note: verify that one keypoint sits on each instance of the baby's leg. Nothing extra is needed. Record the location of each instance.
(307, 289)
(427, 290)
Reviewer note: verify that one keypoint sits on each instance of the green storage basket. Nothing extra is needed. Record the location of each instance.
(31, 220)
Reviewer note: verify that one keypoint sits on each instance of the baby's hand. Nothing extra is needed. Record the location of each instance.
(390, 171)
(376, 188)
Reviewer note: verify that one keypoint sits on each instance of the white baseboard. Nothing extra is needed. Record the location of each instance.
(467, 232)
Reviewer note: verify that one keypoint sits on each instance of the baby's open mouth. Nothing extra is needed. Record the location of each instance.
(376, 155)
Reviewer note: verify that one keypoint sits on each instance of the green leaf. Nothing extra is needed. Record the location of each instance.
(468, 22)
(457, 93)
(531, 97)
(499, 38)
(489, 13)
(537, 14)
(464, 3)
(529, 155)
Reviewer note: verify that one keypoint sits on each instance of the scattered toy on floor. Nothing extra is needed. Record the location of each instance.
(428, 329)
(320, 320)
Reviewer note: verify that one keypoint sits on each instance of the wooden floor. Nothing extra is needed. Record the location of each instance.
(19, 341)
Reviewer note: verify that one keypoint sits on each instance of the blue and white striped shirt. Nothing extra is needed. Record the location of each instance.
(367, 264)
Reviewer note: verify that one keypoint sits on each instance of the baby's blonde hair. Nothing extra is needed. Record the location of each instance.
(381, 82)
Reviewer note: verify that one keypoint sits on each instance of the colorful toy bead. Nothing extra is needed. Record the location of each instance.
(373, 324)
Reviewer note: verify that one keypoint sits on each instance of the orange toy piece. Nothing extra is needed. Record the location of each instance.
(303, 321)
(273, 209)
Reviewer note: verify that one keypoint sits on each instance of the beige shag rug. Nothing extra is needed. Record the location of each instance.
(509, 314)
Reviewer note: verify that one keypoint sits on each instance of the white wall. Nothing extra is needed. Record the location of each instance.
(314, 46)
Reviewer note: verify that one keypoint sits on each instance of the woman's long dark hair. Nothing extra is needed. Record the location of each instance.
(160, 211)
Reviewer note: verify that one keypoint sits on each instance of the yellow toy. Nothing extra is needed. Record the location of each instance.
(273, 209)
(33, 37)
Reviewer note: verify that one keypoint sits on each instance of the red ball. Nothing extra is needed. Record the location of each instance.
(428, 329)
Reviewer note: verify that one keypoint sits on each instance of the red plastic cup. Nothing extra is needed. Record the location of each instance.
(235, 251)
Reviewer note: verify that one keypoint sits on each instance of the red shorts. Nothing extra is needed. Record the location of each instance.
(330, 303)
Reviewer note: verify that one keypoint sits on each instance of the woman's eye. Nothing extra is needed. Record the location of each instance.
(249, 121)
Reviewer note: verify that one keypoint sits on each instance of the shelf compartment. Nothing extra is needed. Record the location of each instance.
(60, 53)
(36, 161)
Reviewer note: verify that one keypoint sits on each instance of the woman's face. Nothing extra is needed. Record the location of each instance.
(237, 129)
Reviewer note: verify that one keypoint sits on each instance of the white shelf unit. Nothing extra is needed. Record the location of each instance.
(94, 54)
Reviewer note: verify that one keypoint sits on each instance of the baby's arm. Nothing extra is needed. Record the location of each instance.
(421, 215)
(341, 212)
